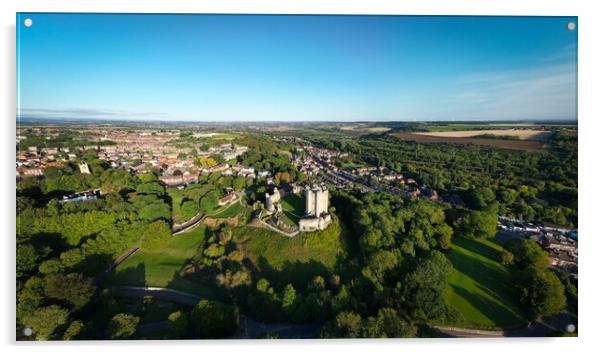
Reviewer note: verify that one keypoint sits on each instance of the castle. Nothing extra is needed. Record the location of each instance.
(316, 206)
(316, 209)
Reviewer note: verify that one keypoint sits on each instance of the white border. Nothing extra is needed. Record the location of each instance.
(590, 117)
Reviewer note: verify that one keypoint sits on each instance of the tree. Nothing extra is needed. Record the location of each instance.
(156, 236)
(189, 207)
(27, 259)
(479, 224)
(209, 201)
(239, 183)
(30, 297)
(542, 293)
(506, 257)
(213, 319)
(289, 297)
(214, 251)
(44, 321)
(154, 211)
(527, 253)
(387, 324)
(151, 188)
(422, 289)
(123, 326)
(480, 198)
(72, 288)
(346, 325)
(177, 325)
(74, 330)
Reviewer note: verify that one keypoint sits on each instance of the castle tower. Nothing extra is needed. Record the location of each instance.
(272, 200)
(310, 201)
(316, 200)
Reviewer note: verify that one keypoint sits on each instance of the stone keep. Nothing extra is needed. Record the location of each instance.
(316, 201)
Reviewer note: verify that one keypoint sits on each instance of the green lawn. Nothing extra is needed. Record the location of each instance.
(480, 289)
(161, 267)
(293, 206)
(296, 259)
(178, 215)
(229, 211)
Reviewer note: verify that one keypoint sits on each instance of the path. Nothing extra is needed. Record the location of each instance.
(468, 332)
(160, 293)
(549, 325)
(198, 218)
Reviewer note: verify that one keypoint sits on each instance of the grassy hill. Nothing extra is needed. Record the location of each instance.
(161, 267)
(480, 290)
(296, 259)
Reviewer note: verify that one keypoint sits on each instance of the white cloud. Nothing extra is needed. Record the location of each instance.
(546, 92)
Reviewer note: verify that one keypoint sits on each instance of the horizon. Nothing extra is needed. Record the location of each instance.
(296, 68)
(75, 120)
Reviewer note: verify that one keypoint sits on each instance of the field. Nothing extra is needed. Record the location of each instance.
(480, 289)
(179, 216)
(161, 267)
(521, 134)
(362, 128)
(224, 136)
(526, 145)
(296, 259)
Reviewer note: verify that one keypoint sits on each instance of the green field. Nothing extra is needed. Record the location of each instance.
(293, 206)
(480, 289)
(179, 216)
(161, 267)
(296, 259)
(224, 136)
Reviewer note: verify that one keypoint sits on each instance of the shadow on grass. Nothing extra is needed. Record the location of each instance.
(499, 315)
(502, 306)
(297, 273)
(132, 276)
(478, 247)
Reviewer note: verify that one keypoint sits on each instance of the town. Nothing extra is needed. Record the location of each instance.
(141, 150)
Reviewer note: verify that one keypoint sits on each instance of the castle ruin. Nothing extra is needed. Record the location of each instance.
(316, 209)
(272, 201)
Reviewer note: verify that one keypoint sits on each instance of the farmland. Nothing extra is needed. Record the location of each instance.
(520, 134)
(524, 145)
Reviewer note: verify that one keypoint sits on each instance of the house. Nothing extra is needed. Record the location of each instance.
(230, 197)
(219, 168)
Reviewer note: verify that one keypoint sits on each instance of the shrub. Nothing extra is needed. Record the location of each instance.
(212, 319)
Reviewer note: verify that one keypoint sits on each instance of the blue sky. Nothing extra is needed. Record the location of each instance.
(296, 68)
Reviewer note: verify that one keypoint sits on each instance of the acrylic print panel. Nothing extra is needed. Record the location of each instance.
(289, 176)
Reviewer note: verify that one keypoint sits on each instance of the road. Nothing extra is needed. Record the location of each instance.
(160, 293)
